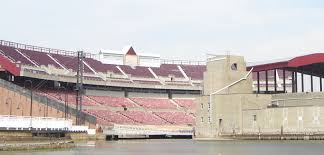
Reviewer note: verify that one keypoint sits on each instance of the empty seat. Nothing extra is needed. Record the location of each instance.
(154, 103)
(112, 101)
(143, 117)
(178, 118)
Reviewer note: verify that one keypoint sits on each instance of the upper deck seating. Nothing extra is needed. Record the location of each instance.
(100, 67)
(40, 57)
(167, 69)
(70, 62)
(137, 71)
(194, 71)
(13, 54)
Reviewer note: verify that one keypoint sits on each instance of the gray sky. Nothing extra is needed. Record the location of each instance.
(177, 29)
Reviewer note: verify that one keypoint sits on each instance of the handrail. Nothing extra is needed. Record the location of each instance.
(42, 49)
(235, 82)
(44, 99)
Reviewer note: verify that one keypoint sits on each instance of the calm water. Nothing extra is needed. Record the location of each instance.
(188, 147)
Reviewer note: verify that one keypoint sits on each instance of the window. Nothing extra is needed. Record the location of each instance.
(234, 66)
(208, 106)
(202, 105)
(209, 119)
(202, 119)
(254, 118)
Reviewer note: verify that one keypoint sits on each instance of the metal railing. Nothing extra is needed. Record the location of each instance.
(182, 62)
(45, 100)
(43, 49)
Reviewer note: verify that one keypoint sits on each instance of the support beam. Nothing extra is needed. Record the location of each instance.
(284, 80)
(296, 82)
(312, 87)
(321, 87)
(275, 80)
(302, 82)
(258, 78)
(292, 82)
(266, 76)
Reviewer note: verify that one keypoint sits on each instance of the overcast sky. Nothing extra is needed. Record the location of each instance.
(175, 29)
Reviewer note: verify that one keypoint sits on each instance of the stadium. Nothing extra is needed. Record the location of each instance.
(113, 92)
(129, 95)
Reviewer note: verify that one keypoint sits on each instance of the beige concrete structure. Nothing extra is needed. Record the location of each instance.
(228, 107)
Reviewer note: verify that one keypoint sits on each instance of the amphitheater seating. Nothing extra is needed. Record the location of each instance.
(13, 54)
(100, 67)
(154, 103)
(54, 94)
(69, 62)
(143, 117)
(186, 103)
(178, 118)
(167, 69)
(40, 57)
(194, 71)
(110, 116)
(112, 101)
(137, 71)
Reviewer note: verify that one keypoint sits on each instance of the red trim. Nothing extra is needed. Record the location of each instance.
(6, 64)
(306, 60)
(271, 66)
(293, 63)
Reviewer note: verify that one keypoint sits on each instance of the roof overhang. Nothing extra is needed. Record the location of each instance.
(312, 64)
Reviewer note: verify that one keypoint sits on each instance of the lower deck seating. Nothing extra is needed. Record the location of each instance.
(186, 103)
(178, 118)
(71, 98)
(141, 117)
(108, 116)
(154, 103)
(112, 101)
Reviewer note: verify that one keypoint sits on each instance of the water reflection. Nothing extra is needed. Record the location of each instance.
(186, 147)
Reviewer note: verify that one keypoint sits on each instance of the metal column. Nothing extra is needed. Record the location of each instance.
(266, 76)
(258, 78)
(312, 87)
(302, 82)
(275, 80)
(284, 80)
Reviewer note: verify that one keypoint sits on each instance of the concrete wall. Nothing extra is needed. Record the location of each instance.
(15, 103)
(228, 106)
(105, 93)
(149, 95)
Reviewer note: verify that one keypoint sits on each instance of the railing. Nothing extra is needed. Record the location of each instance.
(25, 122)
(42, 49)
(148, 130)
(182, 62)
(45, 100)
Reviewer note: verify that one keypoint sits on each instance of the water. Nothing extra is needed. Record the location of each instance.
(187, 147)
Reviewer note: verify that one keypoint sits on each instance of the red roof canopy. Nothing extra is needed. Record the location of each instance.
(312, 64)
